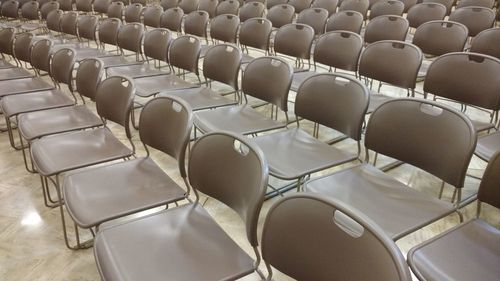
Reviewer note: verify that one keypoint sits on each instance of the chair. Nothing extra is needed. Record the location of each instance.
(315, 18)
(335, 232)
(188, 6)
(66, 5)
(168, 4)
(332, 100)
(133, 13)
(300, 5)
(477, 3)
(53, 21)
(329, 5)
(227, 7)
(101, 6)
(30, 12)
(84, 6)
(476, 19)
(334, 49)
(281, 15)
(393, 62)
(386, 28)
(237, 177)
(152, 16)
(68, 23)
(447, 3)
(425, 12)
(47, 8)
(265, 78)
(115, 10)
(10, 10)
(255, 33)
(401, 210)
(252, 10)
(21, 46)
(107, 32)
(486, 42)
(386, 8)
(171, 19)
(208, 6)
(195, 23)
(224, 28)
(478, 240)
(139, 184)
(87, 28)
(345, 21)
(295, 40)
(142, 2)
(469, 79)
(6, 39)
(360, 6)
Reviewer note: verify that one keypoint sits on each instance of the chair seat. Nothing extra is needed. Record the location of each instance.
(14, 73)
(239, 119)
(31, 26)
(148, 86)
(136, 71)
(470, 251)
(246, 58)
(17, 104)
(63, 152)
(376, 100)
(482, 126)
(23, 85)
(104, 193)
(424, 67)
(182, 243)
(396, 208)
(201, 98)
(46, 122)
(299, 77)
(487, 146)
(5, 64)
(114, 61)
(309, 154)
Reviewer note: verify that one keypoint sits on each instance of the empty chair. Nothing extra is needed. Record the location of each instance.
(329, 5)
(386, 7)
(227, 7)
(334, 231)
(142, 2)
(188, 6)
(10, 9)
(20, 47)
(300, 5)
(476, 19)
(295, 40)
(68, 23)
(66, 5)
(467, 78)
(53, 21)
(360, 6)
(115, 10)
(345, 20)
(195, 23)
(87, 27)
(152, 16)
(331, 100)
(30, 13)
(478, 240)
(168, 4)
(133, 13)
(386, 28)
(425, 12)
(208, 6)
(400, 209)
(6, 39)
(252, 10)
(236, 176)
(255, 33)
(224, 28)
(281, 15)
(315, 18)
(47, 8)
(487, 42)
(84, 5)
(101, 6)
(447, 3)
(477, 3)
(107, 31)
(171, 19)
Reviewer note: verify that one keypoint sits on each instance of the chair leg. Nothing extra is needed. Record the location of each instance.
(48, 201)
(441, 190)
(25, 157)
(11, 134)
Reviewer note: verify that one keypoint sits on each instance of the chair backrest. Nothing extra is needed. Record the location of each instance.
(225, 28)
(68, 23)
(346, 21)
(152, 15)
(84, 5)
(167, 4)
(22, 46)
(130, 37)
(133, 12)
(61, 66)
(43, 2)
(227, 55)
(188, 6)
(466, 77)
(171, 19)
(339, 49)
(115, 10)
(165, 124)
(329, 5)
(237, 175)
(300, 5)
(386, 28)
(487, 42)
(447, 3)
(53, 20)
(227, 7)
(156, 43)
(315, 18)
(440, 37)
(478, 3)
(408, 4)
(87, 26)
(29, 10)
(425, 12)
(6, 39)
(195, 23)
(208, 6)
(281, 15)
(406, 121)
(360, 6)
(142, 2)
(108, 31)
(488, 188)
(268, 79)
(66, 5)
(114, 100)
(272, 3)
(184, 53)
(101, 6)
(88, 77)
(40, 54)
(294, 40)
(48, 7)
(476, 19)
(335, 234)
(393, 62)
(252, 10)
(10, 9)
(256, 33)
(387, 7)
(336, 101)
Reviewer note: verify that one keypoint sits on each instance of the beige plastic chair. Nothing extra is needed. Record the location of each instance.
(21, 47)
(345, 21)
(336, 234)
(188, 6)
(425, 12)
(300, 5)
(386, 28)
(280, 15)
(101, 6)
(227, 7)
(360, 6)
(133, 13)
(329, 5)
(486, 42)
(139, 184)
(252, 10)
(208, 6)
(168, 4)
(478, 3)
(447, 3)
(196, 23)
(295, 40)
(115, 10)
(315, 18)
(151, 16)
(236, 176)
(335, 101)
(393, 130)
(255, 33)
(386, 8)
(469, 251)
(475, 18)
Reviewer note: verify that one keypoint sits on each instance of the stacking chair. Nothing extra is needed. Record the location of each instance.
(469, 79)
(68, 24)
(386, 28)
(168, 4)
(139, 184)
(21, 47)
(345, 21)
(10, 11)
(6, 38)
(469, 251)
(223, 28)
(48, 7)
(392, 62)
(101, 6)
(315, 18)
(487, 42)
(335, 232)
(335, 101)
(133, 13)
(87, 27)
(252, 10)
(329, 5)
(255, 33)
(84, 6)
(151, 16)
(196, 23)
(334, 49)
(477, 3)
(386, 8)
(171, 19)
(360, 6)
(188, 6)
(265, 78)
(53, 23)
(227, 7)
(281, 15)
(392, 130)
(208, 6)
(476, 19)
(425, 12)
(30, 14)
(300, 5)
(295, 40)
(447, 3)
(236, 176)
(115, 10)
(436, 38)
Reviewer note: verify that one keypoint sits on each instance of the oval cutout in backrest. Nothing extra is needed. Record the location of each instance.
(192, 40)
(177, 107)
(341, 81)
(241, 148)
(430, 109)
(398, 45)
(475, 58)
(275, 63)
(392, 18)
(350, 14)
(345, 35)
(447, 24)
(125, 83)
(348, 225)
(229, 49)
